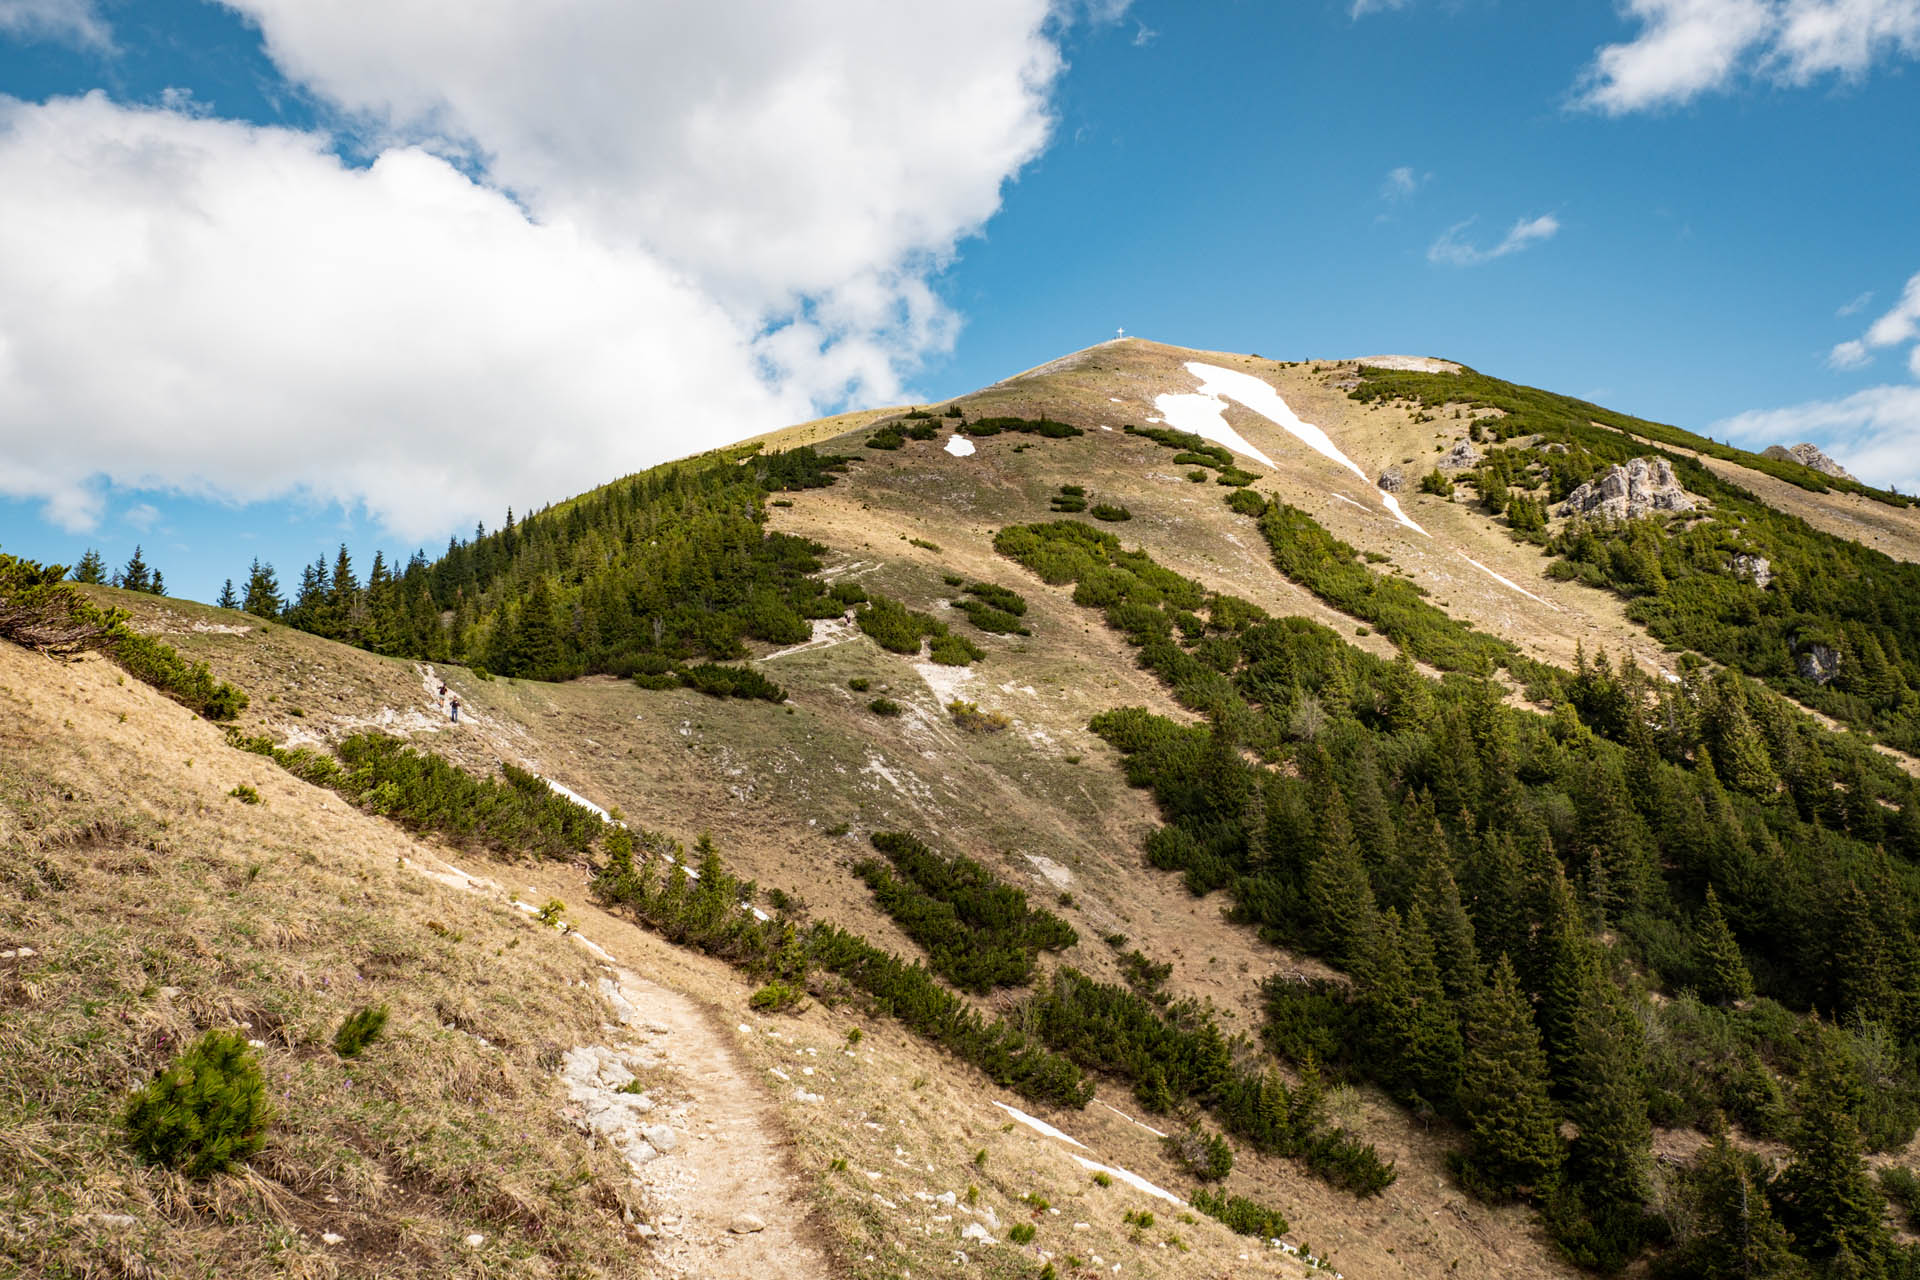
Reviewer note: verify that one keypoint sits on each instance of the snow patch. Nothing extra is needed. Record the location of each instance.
(1138, 1124)
(959, 446)
(1349, 501)
(1133, 1180)
(1507, 582)
(1218, 385)
(1040, 1126)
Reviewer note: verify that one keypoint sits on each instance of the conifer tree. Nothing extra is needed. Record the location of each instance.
(1569, 972)
(1827, 1199)
(1339, 894)
(1514, 1133)
(157, 585)
(1453, 942)
(263, 591)
(1738, 1238)
(135, 576)
(1435, 1049)
(228, 600)
(91, 568)
(1607, 1102)
(1723, 970)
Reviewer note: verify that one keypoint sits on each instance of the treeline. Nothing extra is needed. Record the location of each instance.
(1682, 578)
(673, 563)
(135, 575)
(977, 930)
(1504, 888)
(40, 610)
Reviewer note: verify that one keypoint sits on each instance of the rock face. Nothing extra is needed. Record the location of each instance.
(1818, 663)
(1461, 456)
(1809, 455)
(1632, 489)
(1392, 480)
(1754, 568)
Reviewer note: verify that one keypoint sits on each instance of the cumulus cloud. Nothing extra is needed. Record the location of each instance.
(591, 235)
(1900, 325)
(1361, 8)
(1454, 250)
(232, 312)
(68, 21)
(1874, 433)
(1859, 303)
(1685, 48)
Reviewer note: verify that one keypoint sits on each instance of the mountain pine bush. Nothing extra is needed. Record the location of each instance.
(204, 1111)
(360, 1029)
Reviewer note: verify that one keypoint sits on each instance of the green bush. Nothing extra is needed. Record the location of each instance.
(776, 996)
(359, 1030)
(950, 650)
(1044, 427)
(859, 684)
(203, 1112)
(1110, 512)
(1246, 502)
(1241, 1214)
(717, 681)
(885, 707)
(1021, 1233)
(1204, 1155)
(978, 931)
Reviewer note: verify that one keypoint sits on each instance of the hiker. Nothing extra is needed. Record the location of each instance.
(454, 706)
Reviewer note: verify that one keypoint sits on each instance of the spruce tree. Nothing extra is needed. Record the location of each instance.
(157, 585)
(1607, 1102)
(263, 591)
(135, 576)
(228, 600)
(1569, 972)
(1737, 1237)
(1435, 1050)
(1339, 895)
(1827, 1199)
(91, 568)
(1514, 1133)
(1723, 970)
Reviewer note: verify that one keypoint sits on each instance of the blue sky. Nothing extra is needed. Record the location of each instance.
(275, 275)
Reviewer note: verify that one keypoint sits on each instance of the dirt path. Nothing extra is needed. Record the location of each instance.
(727, 1198)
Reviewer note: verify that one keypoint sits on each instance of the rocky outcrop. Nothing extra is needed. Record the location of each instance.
(1462, 456)
(1756, 569)
(1392, 480)
(1808, 455)
(1819, 663)
(1636, 488)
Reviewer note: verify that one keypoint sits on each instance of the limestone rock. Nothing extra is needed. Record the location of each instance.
(1633, 489)
(1461, 456)
(1756, 569)
(746, 1224)
(1808, 455)
(1393, 480)
(1818, 663)
(974, 1231)
(661, 1137)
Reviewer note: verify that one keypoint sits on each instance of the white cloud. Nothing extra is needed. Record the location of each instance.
(1452, 249)
(1689, 47)
(1874, 433)
(683, 225)
(1361, 8)
(229, 311)
(68, 21)
(142, 516)
(1859, 304)
(1399, 183)
(1899, 325)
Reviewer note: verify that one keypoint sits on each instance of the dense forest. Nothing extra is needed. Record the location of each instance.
(1674, 904)
(1837, 626)
(667, 565)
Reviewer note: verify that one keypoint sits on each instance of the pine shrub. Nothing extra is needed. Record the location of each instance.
(204, 1111)
(360, 1029)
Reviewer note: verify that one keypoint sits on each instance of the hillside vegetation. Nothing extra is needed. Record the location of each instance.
(1425, 939)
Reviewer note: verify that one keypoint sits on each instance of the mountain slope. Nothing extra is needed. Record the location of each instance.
(1303, 808)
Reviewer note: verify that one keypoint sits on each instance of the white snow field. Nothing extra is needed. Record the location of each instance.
(1204, 414)
(959, 446)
